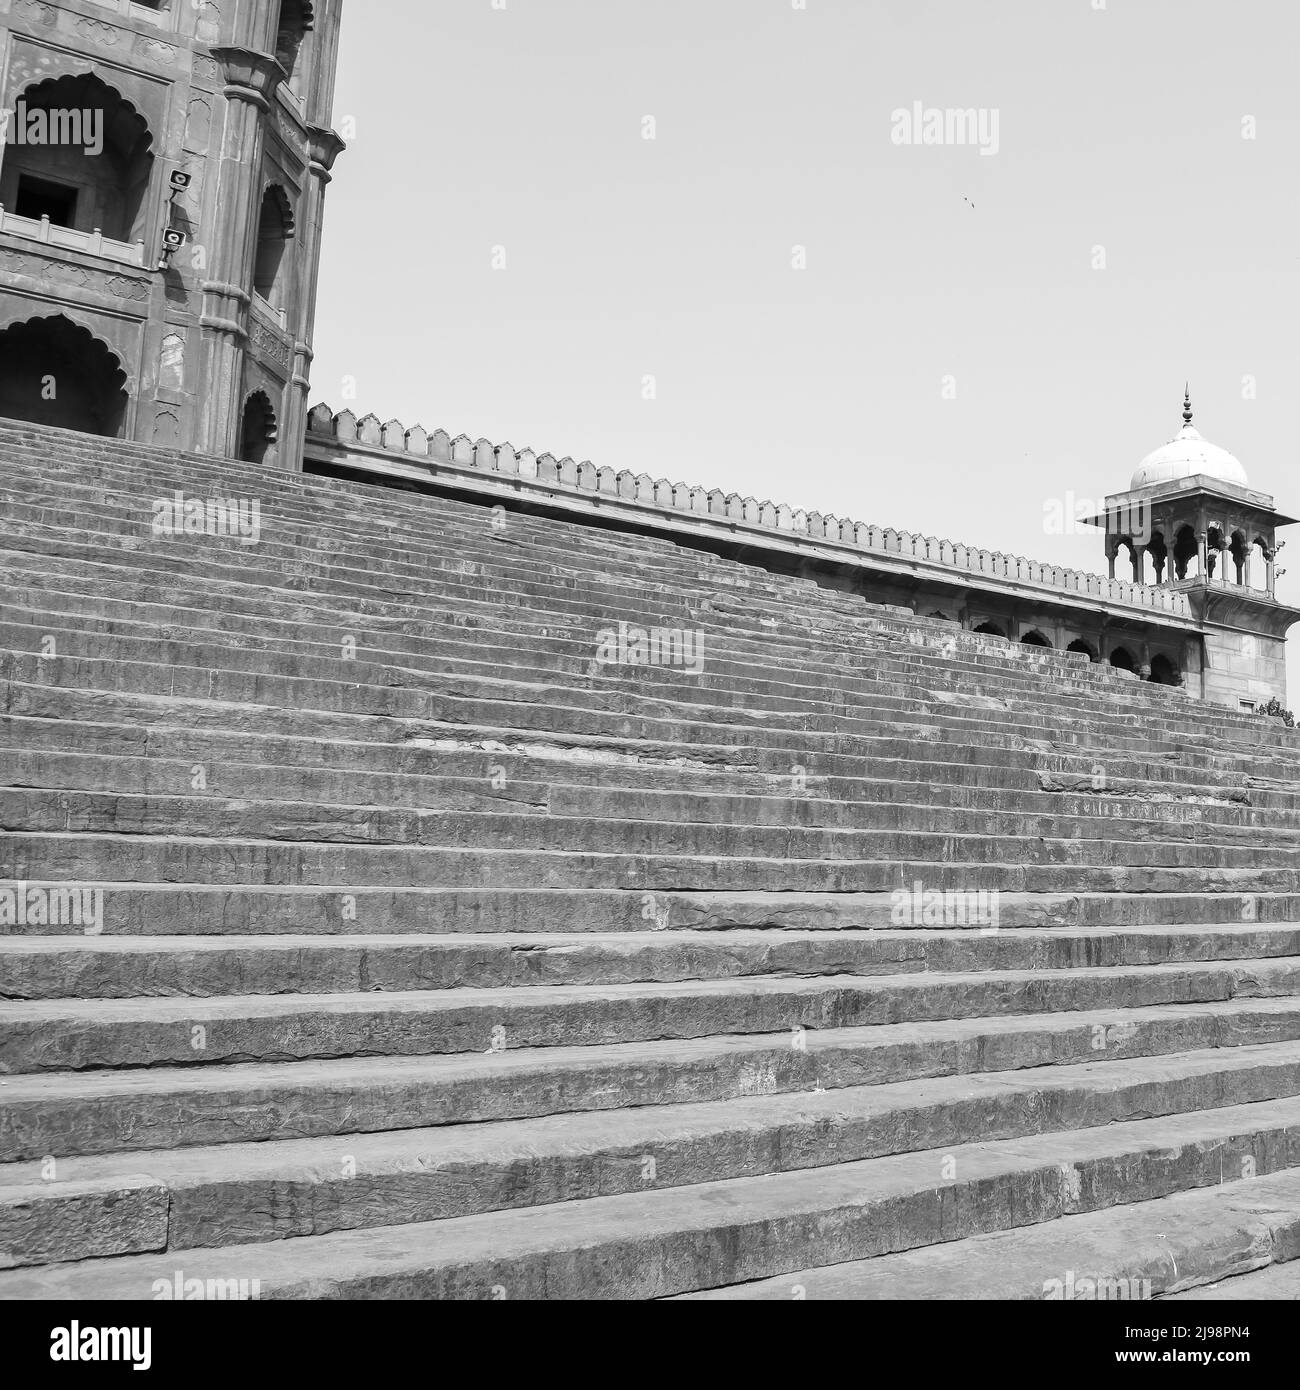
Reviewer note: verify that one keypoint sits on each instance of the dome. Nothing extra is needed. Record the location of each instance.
(1186, 455)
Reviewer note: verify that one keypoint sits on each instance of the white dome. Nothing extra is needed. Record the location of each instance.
(1186, 455)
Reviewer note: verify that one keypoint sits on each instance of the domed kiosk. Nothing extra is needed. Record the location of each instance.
(1191, 521)
(1188, 455)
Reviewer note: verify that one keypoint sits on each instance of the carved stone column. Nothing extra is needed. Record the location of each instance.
(251, 79)
(324, 147)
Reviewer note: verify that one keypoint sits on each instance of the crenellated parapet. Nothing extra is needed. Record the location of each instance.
(437, 448)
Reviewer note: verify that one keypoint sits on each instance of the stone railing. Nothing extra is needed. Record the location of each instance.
(564, 475)
(94, 243)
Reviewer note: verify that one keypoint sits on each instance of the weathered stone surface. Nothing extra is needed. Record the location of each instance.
(439, 951)
(49, 1222)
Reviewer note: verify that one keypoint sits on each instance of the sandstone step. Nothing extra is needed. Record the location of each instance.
(629, 716)
(1275, 1281)
(1152, 844)
(200, 909)
(83, 857)
(909, 751)
(284, 1189)
(1133, 1252)
(881, 805)
(665, 1241)
(120, 757)
(106, 1112)
(57, 1035)
(126, 967)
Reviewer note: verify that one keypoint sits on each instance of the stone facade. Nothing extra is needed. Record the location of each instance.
(213, 122)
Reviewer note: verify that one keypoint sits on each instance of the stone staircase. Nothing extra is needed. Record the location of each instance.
(438, 959)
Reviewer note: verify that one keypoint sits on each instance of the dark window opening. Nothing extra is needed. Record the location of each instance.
(1121, 659)
(39, 198)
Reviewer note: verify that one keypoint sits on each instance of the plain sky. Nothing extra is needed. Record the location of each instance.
(974, 337)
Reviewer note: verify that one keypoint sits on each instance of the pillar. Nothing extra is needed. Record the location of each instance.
(251, 79)
(324, 147)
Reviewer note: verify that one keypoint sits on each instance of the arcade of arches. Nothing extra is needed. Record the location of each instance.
(1162, 669)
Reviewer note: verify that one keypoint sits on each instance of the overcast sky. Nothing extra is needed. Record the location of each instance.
(974, 333)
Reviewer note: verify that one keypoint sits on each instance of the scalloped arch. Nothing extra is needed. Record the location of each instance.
(42, 346)
(90, 75)
(277, 193)
(15, 319)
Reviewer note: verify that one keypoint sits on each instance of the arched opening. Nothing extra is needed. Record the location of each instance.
(83, 158)
(1215, 545)
(54, 372)
(1240, 549)
(1159, 553)
(296, 19)
(1185, 551)
(1137, 560)
(274, 232)
(1164, 672)
(258, 431)
(1122, 659)
(941, 617)
(1079, 645)
(990, 630)
(1034, 638)
(1260, 554)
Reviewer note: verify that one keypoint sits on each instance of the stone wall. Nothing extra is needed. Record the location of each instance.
(564, 475)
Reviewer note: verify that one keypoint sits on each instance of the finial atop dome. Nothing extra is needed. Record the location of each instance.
(1187, 455)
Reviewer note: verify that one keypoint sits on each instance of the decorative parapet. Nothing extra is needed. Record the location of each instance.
(565, 475)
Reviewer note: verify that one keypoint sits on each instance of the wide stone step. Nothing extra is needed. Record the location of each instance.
(551, 711)
(663, 1241)
(57, 1035)
(1034, 840)
(108, 967)
(880, 805)
(730, 655)
(1276, 1281)
(1149, 1249)
(123, 757)
(83, 857)
(1188, 719)
(48, 716)
(218, 639)
(202, 909)
(106, 1112)
(284, 1189)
